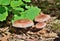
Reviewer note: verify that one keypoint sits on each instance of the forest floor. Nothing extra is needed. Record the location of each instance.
(50, 33)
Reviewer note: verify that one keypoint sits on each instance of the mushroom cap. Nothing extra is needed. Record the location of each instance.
(23, 23)
(40, 25)
(42, 18)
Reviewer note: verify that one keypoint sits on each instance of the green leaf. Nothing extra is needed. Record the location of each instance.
(4, 15)
(27, 0)
(0, 2)
(9, 8)
(17, 17)
(16, 3)
(27, 7)
(31, 13)
(2, 9)
(4, 2)
(19, 9)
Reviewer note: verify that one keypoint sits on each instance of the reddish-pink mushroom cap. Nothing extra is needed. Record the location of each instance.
(23, 23)
(42, 18)
(40, 25)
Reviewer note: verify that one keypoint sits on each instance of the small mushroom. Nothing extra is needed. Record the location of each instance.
(40, 25)
(42, 17)
(23, 23)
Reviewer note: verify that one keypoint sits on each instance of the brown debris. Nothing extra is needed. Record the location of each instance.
(50, 35)
(4, 29)
(31, 39)
(5, 37)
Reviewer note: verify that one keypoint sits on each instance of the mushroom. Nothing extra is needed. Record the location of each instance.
(40, 25)
(42, 17)
(23, 23)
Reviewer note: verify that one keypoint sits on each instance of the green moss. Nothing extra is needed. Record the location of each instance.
(56, 26)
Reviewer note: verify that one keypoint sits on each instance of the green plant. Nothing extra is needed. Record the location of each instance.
(20, 9)
(3, 13)
(55, 26)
